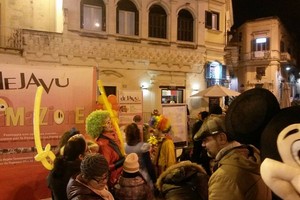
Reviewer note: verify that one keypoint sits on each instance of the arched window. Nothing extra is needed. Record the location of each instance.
(127, 18)
(157, 22)
(92, 15)
(185, 26)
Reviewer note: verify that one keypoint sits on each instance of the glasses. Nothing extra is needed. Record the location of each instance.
(100, 179)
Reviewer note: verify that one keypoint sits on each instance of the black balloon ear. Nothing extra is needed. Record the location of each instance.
(284, 118)
(249, 113)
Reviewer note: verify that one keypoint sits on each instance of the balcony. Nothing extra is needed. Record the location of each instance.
(261, 55)
(285, 57)
(11, 39)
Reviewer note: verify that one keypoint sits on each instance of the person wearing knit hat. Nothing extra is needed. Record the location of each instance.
(132, 185)
(163, 153)
(131, 164)
(92, 180)
(99, 126)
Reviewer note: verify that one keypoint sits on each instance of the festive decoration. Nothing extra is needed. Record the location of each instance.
(152, 140)
(45, 156)
(95, 122)
(114, 118)
(160, 123)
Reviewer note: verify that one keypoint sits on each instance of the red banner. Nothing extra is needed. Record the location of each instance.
(69, 95)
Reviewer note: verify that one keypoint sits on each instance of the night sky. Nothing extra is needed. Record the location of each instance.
(287, 10)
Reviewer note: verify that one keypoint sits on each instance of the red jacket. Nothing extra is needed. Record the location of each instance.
(111, 155)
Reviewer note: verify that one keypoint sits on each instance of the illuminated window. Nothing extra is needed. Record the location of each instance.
(260, 44)
(215, 70)
(127, 18)
(172, 95)
(93, 15)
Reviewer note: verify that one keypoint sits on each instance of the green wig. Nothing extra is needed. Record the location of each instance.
(95, 122)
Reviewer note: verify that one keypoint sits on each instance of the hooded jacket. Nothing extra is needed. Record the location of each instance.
(237, 176)
(132, 188)
(184, 181)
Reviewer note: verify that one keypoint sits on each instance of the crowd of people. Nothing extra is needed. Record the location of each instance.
(94, 167)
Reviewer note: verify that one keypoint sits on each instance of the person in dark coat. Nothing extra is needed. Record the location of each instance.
(183, 181)
(66, 165)
(91, 183)
(199, 154)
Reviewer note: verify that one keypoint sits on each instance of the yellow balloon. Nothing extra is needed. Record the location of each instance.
(46, 157)
(115, 113)
(100, 100)
(107, 106)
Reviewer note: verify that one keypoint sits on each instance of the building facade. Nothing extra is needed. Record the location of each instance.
(262, 54)
(163, 47)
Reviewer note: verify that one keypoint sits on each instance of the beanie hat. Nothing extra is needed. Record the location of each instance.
(213, 124)
(95, 122)
(93, 165)
(131, 163)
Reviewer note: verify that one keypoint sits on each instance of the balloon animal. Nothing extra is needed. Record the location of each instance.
(45, 156)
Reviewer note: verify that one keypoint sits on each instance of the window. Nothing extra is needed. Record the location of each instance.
(260, 44)
(185, 25)
(215, 70)
(172, 95)
(93, 15)
(127, 18)
(212, 20)
(157, 22)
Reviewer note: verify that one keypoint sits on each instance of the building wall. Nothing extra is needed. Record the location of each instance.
(124, 62)
(271, 59)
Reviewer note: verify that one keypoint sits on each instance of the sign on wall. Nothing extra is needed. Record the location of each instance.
(131, 106)
(68, 97)
(177, 114)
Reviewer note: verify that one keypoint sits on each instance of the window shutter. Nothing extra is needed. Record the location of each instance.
(268, 44)
(224, 72)
(253, 45)
(207, 70)
(208, 20)
(136, 23)
(218, 21)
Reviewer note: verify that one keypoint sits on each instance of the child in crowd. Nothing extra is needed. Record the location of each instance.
(142, 149)
(132, 185)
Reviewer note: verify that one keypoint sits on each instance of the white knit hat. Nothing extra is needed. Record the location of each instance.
(131, 163)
